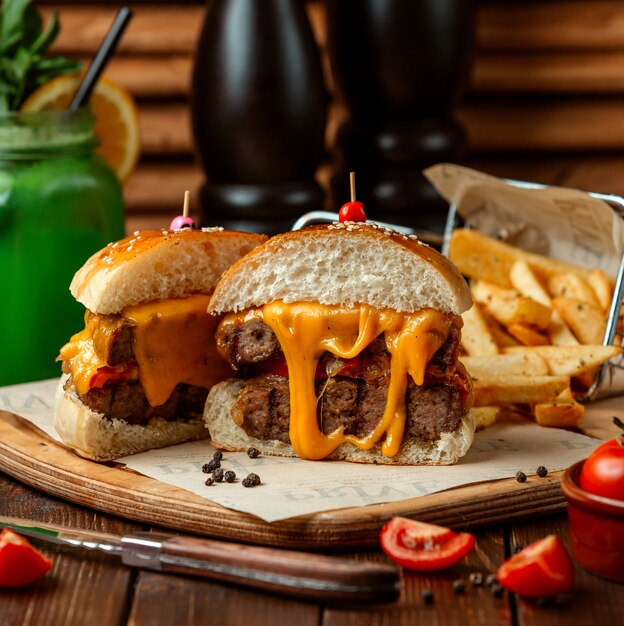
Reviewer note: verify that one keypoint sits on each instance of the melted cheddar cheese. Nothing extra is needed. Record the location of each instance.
(173, 342)
(306, 330)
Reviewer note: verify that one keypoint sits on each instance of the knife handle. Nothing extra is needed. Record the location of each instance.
(304, 575)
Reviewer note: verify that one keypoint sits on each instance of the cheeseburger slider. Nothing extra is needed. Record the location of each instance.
(345, 338)
(137, 376)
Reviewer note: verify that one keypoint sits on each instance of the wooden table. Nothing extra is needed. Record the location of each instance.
(91, 589)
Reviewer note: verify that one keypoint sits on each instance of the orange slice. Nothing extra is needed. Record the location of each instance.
(115, 112)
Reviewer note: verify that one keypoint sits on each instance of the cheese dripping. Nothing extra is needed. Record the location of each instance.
(306, 330)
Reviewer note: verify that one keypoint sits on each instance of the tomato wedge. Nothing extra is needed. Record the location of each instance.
(424, 547)
(277, 366)
(20, 562)
(543, 568)
(108, 373)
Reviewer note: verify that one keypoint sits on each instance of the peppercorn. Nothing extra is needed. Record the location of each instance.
(229, 476)
(253, 453)
(247, 483)
(458, 586)
(491, 579)
(218, 455)
(254, 478)
(218, 474)
(209, 481)
(496, 590)
(211, 466)
(541, 471)
(427, 596)
(521, 477)
(476, 578)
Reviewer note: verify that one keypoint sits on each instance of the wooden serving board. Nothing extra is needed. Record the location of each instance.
(31, 457)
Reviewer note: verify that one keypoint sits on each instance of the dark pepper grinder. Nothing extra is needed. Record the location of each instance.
(259, 108)
(400, 67)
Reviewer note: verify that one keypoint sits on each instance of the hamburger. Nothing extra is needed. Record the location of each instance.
(137, 376)
(345, 339)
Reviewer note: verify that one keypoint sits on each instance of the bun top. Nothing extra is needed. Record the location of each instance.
(156, 264)
(344, 264)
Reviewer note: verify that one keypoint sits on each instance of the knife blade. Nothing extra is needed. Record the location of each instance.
(330, 579)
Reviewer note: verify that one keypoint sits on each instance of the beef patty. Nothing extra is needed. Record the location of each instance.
(126, 401)
(113, 341)
(356, 401)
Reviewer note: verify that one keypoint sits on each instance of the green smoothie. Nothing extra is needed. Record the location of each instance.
(59, 203)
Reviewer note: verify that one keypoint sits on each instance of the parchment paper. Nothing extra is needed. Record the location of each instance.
(292, 487)
(562, 223)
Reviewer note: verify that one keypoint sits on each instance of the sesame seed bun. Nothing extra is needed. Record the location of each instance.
(344, 264)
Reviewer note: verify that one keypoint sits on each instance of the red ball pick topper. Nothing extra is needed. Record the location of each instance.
(352, 211)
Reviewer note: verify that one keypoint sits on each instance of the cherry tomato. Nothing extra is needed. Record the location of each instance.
(603, 470)
(424, 547)
(352, 212)
(543, 568)
(20, 563)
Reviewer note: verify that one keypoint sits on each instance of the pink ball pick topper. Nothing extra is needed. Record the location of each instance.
(183, 221)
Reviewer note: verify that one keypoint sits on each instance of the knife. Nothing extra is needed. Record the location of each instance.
(303, 575)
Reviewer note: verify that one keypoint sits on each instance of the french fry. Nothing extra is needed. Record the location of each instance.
(563, 412)
(508, 307)
(566, 395)
(479, 256)
(602, 286)
(477, 339)
(568, 360)
(484, 416)
(572, 286)
(527, 335)
(555, 414)
(534, 335)
(483, 291)
(586, 321)
(499, 332)
(498, 390)
(524, 280)
(519, 362)
(585, 380)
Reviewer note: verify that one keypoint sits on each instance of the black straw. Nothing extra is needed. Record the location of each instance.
(105, 52)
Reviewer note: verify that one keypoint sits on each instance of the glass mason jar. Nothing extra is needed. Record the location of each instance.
(59, 203)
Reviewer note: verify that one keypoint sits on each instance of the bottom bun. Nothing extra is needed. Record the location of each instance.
(96, 437)
(227, 435)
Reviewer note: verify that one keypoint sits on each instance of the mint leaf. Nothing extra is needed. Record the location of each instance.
(12, 23)
(23, 44)
(47, 37)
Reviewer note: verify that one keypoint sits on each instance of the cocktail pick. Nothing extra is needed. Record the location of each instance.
(352, 211)
(102, 57)
(183, 221)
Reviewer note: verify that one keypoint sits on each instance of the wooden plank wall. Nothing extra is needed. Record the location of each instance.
(545, 101)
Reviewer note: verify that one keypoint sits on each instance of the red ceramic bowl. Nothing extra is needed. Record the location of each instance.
(596, 527)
